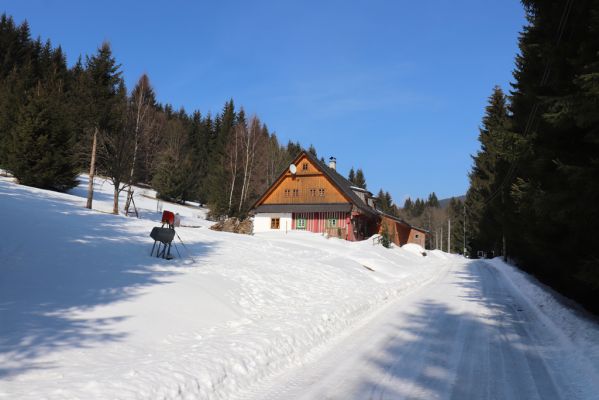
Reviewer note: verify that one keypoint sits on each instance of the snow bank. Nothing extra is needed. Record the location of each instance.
(85, 312)
(576, 327)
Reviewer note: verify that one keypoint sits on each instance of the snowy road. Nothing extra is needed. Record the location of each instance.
(468, 335)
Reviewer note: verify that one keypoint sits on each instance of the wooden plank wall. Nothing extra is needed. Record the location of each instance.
(316, 222)
(302, 183)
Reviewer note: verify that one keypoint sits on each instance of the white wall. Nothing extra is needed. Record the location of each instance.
(262, 221)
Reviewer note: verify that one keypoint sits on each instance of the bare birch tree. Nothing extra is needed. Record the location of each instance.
(141, 105)
(232, 156)
(250, 141)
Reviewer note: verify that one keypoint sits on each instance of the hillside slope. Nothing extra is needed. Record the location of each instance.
(85, 312)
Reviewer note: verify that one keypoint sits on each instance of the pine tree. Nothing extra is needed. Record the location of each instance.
(293, 149)
(17, 78)
(40, 151)
(352, 176)
(360, 180)
(455, 213)
(37, 139)
(175, 177)
(199, 153)
(381, 200)
(541, 192)
(408, 205)
(389, 203)
(432, 201)
(490, 178)
(218, 182)
(104, 88)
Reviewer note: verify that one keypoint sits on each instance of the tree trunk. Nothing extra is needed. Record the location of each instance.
(92, 170)
(233, 171)
(138, 121)
(115, 203)
(246, 142)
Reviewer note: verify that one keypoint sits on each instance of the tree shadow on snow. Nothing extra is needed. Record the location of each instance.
(454, 354)
(57, 259)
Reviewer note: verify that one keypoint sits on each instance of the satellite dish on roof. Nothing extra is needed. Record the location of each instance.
(292, 169)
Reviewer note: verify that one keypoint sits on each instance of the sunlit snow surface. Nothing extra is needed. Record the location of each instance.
(85, 312)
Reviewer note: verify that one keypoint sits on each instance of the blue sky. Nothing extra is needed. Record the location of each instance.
(396, 88)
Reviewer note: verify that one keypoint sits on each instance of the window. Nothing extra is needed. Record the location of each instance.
(332, 223)
(287, 191)
(275, 223)
(417, 236)
(321, 192)
(300, 223)
(313, 192)
(305, 166)
(295, 192)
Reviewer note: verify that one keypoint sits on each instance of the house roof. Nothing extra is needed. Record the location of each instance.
(344, 185)
(403, 222)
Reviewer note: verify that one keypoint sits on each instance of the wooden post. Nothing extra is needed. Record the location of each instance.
(92, 170)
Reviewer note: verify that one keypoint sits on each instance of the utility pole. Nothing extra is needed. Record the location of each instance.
(441, 238)
(449, 236)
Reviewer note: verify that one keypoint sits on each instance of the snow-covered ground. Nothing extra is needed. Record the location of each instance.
(85, 312)
(480, 331)
(578, 328)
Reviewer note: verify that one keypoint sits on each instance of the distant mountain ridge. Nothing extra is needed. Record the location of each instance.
(444, 202)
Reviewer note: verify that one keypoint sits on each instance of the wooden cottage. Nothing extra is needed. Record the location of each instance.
(314, 197)
(401, 232)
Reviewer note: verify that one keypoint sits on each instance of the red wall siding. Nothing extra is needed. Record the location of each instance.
(316, 221)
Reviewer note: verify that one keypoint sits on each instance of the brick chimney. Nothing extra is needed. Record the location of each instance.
(333, 163)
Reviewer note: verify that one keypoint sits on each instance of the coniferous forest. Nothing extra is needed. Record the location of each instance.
(56, 122)
(534, 186)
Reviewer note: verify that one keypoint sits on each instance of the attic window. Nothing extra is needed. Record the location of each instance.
(417, 236)
(287, 191)
(295, 192)
(313, 192)
(321, 192)
(305, 166)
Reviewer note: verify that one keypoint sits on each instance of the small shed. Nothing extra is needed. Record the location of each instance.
(401, 232)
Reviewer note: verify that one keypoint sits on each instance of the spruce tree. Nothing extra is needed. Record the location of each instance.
(541, 192)
(218, 178)
(408, 205)
(104, 87)
(381, 200)
(40, 150)
(432, 201)
(490, 179)
(352, 176)
(360, 180)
